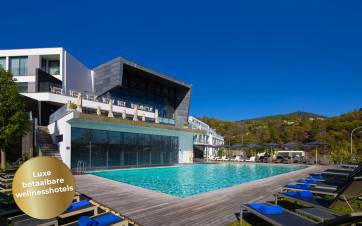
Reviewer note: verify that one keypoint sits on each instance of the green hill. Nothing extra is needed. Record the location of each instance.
(299, 127)
(298, 114)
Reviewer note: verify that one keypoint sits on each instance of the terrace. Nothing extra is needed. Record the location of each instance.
(153, 208)
(90, 103)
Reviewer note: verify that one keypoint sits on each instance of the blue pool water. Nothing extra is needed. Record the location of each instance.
(183, 181)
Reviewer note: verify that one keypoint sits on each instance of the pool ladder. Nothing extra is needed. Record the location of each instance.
(81, 167)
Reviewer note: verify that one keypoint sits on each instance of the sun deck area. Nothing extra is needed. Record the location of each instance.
(218, 207)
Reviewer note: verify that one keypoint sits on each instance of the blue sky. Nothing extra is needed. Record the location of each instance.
(244, 58)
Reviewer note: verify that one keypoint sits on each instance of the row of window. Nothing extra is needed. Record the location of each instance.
(105, 149)
(18, 66)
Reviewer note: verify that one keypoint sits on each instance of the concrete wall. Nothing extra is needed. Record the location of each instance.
(61, 127)
(78, 76)
(33, 64)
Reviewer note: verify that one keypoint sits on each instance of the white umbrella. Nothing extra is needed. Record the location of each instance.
(99, 111)
(110, 112)
(79, 102)
(157, 120)
(135, 113)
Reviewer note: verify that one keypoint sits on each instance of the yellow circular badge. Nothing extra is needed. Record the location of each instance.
(43, 187)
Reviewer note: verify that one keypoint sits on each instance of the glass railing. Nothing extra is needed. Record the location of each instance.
(167, 121)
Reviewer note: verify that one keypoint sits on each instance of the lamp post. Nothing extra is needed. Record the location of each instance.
(357, 128)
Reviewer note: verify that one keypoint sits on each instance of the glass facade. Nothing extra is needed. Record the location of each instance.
(50, 66)
(3, 62)
(108, 149)
(19, 66)
(141, 89)
(54, 67)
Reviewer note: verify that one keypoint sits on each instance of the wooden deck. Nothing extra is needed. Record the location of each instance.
(152, 208)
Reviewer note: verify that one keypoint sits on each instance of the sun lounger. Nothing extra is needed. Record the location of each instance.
(347, 219)
(224, 158)
(341, 172)
(279, 216)
(236, 159)
(349, 192)
(304, 197)
(347, 166)
(107, 219)
(318, 184)
(6, 195)
(6, 179)
(251, 159)
(318, 214)
(6, 185)
(5, 214)
(308, 187)
(77, 208)
(275, 216)
(34, 222)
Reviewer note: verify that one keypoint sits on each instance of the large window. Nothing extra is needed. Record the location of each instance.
(50, 66)
(19, 66)
(54, 67)
(107, 149)
(3, 62)
(23, 87)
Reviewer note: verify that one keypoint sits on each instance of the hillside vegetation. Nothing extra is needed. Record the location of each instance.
(300, 127)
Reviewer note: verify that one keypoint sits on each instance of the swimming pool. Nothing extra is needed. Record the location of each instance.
(188, 180)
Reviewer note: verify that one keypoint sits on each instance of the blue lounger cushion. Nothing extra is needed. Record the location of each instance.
(104, 220)
(300, 194)
(308, 180)
(316, 177)
(304, 186)
(78, 205)
(267, 209)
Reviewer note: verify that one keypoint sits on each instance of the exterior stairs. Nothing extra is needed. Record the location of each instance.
(46, 146)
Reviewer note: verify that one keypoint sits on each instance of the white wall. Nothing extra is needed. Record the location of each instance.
(77, 76)
(62, 127)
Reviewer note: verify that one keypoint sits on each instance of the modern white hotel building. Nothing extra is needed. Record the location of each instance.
(208, 141)
(118, 114)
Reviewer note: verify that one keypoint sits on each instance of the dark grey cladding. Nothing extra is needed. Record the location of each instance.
(182, 110)
(109, 75)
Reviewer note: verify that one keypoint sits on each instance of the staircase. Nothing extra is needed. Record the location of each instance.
(45, 143)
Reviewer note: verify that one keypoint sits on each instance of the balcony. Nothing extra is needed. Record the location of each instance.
(121, 108)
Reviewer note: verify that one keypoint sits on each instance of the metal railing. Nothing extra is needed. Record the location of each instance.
(105, 100)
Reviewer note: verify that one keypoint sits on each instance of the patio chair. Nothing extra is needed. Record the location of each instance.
(251, 159)
(236, 159)
(276, 215)
(107, 219)
(28, 221)
(329, 183)
(224, 158)
(81, 207)
(340, 172)
(6, 196)
(6, 184)
(350, 166)
(342, 197)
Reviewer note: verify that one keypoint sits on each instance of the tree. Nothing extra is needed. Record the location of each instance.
(13, 121)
